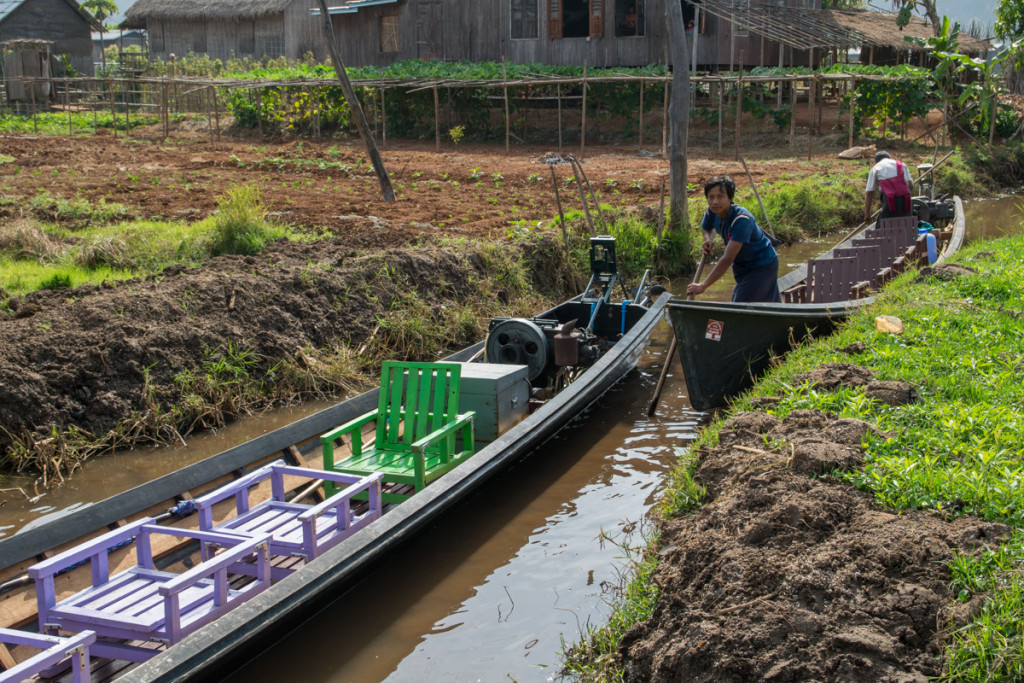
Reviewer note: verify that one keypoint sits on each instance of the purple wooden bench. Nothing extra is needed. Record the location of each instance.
(54, 651)
(869, 262)
(143, 603)
(833, 279)
(295, 529)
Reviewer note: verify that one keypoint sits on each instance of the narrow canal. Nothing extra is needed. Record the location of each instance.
(493, 588)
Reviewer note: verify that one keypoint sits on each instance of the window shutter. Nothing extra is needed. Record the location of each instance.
(554, 18)
(596, 18)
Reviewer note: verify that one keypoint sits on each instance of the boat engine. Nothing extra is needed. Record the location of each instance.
(937, 211)
(544, 345)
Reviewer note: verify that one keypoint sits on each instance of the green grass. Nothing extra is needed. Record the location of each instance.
(95, 250)
(956, 451)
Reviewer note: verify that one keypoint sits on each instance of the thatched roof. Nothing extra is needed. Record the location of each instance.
(8, 6)
(200, 10)
(880, 29)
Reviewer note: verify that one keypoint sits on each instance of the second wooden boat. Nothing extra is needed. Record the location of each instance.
(725, 346)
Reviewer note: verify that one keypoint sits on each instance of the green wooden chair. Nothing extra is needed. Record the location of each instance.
(417, 424)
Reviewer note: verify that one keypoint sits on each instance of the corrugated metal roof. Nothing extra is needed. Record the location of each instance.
(804, 29)
(352, 6)
(8, 6)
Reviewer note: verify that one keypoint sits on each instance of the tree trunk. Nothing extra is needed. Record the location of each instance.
(357, 110)
(679, 119)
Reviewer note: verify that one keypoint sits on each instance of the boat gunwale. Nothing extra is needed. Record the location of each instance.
(285, 603)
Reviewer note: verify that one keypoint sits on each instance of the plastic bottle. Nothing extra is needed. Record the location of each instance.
(933, 252)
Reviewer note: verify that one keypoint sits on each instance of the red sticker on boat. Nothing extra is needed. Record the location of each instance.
(714, 330)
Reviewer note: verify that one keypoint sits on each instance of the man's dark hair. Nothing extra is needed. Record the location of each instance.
(725, 181)
(881, 155)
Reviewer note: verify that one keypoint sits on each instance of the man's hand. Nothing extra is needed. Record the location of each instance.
(695, 288)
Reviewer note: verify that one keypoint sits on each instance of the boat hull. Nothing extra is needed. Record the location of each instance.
(725, 346)
(233, 639)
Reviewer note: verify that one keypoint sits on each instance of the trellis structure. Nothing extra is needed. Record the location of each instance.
(134, 100)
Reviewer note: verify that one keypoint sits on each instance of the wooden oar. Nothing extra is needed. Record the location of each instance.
(653, 405)
(767, 220)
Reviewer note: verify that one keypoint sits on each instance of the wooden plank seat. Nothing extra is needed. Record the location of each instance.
(834, 279)
(907, 223)
(295, 529)
(55, 650)
(869, 262)
(416, 429)
(144, 603)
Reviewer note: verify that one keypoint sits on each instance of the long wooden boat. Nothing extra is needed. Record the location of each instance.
(725, 346)
(616, 332)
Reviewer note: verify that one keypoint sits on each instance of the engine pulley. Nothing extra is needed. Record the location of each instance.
(520, 342)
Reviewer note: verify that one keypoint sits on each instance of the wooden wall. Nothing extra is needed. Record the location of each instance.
(53, 20)
(480, 31)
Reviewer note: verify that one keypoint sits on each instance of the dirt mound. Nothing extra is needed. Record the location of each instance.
(91, 357)
(781, 577)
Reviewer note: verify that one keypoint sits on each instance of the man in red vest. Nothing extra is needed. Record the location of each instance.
(893, 179)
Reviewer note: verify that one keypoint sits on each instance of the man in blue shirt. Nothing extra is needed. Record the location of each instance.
(755, 265)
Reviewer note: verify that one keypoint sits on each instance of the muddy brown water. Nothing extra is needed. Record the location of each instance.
(491, 590)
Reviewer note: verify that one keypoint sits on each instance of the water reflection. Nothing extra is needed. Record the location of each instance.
(491, 590)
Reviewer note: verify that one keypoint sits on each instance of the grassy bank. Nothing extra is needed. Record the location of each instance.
(956, 450)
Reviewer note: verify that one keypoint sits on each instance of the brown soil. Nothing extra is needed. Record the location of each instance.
(785, 577)
(781, 577)
(92, 357)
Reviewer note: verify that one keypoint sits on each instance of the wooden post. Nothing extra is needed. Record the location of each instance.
(664, 119)
(216, 111)
(164, 114)
(739, 104)
(853, 99)
(383, 113)
(386, 188)
(113, 109)
(32, 95)
(437, 122)
(792, 116)
(810, 127)
(992, 121)
(259, 111)
(208, 100)
(127, 119)
(640, 143)
(721, 114)
(583, 118)
(504, 89)
(558, 96)
(67, 103)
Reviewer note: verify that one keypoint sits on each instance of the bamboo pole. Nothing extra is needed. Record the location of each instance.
(810, 126)
(216, 111)
(383, 113)
(113, 109)
(853, 113)
(386, 188)
(67, 104)
(664, 120)
(437, 122)
(721, 115)
(259, 111)
(561, 217)
(583, 118)
(739, 104)
(792, 116)
(508, 120)
(558, 96)
(640, 142)
(32, 96)
(164, 114)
